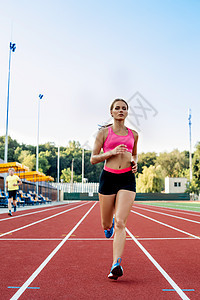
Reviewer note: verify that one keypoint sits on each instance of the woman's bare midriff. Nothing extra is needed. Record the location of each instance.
(119, 161)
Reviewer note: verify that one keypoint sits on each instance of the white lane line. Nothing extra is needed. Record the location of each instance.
(45, 262)
(32, 239)
(47, 218)
(172, 210)
(182, 210)
(160, 239)
(164, 224)
(190, 206)
(160, 269)
(172, 216)
(34, 212)
(94, 239)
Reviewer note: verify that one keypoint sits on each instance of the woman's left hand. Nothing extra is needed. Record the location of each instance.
(134, 166)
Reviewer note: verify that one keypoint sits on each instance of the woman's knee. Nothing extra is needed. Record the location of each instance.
(119, 224)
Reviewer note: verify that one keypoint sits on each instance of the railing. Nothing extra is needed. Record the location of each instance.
(194, 197)
(78, 187)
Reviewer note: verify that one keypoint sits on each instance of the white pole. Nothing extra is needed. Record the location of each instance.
(58, 174)
(37, 148)
(72, 175)
(38, 129)
(7, 113)
(190, 137)
(12, 48)
(82, 168)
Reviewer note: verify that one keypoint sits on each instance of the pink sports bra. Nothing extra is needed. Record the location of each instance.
(113, 140)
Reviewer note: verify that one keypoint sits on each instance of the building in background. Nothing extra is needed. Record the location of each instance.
(175, 184)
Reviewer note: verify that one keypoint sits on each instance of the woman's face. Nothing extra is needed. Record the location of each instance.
(119, 111)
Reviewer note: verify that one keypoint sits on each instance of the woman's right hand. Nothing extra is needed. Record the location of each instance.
(119, 149)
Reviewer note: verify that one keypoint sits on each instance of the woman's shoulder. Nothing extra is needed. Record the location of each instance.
(135, 133)
(104, 131)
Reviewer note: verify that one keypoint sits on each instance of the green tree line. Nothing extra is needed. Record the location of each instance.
(152, 167)
(48, 154)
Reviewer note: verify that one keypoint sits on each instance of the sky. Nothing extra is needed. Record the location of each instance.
(81, 55)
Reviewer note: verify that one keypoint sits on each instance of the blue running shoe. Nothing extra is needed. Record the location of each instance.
(116, 270)
(15, 208)
(109, 232)
(9, 213)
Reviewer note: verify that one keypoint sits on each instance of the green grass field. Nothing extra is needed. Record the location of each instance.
(193, 206)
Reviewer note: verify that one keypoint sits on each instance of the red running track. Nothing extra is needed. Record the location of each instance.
(63, 254)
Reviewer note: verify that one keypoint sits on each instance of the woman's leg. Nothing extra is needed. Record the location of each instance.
(107, 205)
(124, 202)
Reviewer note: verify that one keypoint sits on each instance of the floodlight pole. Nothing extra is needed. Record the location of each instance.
(190, 137)
(58, 174)
(12, 49)
(72, 176)
(82, 168)
(37, 148)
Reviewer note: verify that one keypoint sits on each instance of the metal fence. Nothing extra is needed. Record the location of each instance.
(78, 187)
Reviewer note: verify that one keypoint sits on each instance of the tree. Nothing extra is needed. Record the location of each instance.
(2, 146)
(92, 172)
(193, 187)
(66, 176)
(12, 145)
(27, 159)
(151, 180)
(173, 163)
(43, 162)
(17, 153)
(146, 159)
(196, 163)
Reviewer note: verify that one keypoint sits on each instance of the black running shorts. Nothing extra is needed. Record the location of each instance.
(111, 183)
(12, 194)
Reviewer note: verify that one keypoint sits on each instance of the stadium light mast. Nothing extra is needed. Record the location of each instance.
(12, 49)
(58, 174)
(72, 176)
(190, 137)
(37, 147)
(82, 168)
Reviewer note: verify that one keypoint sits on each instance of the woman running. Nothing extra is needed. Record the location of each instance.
(117, 188)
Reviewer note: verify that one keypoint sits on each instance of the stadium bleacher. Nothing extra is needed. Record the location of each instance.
(23, 199)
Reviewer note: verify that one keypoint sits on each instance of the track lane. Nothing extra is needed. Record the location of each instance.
(180, 258)
(26, 284)
(25, 256)
(190, 227)
(182, 214)
(30, 220)
(37, 210)
(81, 267)
(178, 210)
(141, 279)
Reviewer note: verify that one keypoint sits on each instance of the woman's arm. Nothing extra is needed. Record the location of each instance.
(96, 157)
(134, 157)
